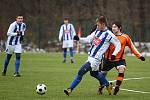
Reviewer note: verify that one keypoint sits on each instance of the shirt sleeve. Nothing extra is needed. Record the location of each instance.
(116, 43)
(87, 39)
(132, 47)
(10, 30)
(60, 33)
(73, 30)
(24, 28)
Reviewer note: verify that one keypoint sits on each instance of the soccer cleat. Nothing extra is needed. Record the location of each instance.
(100, 90)
(71, 61)
(116, 90)
(17, 74)
(64, 61)
(3, 73)
(67, 91)
(109, 88)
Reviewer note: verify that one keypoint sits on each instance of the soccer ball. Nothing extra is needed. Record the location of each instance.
(41, 89)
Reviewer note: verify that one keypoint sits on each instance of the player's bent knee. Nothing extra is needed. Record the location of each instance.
(81, 72)
(84, 69)
(94, 73)
(121, 70)
(104, 72)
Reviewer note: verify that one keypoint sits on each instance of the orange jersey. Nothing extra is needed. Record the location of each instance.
(124, 41)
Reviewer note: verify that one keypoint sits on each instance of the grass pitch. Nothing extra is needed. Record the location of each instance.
(48, 69)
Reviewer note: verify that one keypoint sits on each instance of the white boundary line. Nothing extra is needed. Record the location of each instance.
(131, 79)
(133, 90)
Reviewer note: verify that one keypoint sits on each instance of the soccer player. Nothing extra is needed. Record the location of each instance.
(100, 39)
(119, 62)
(66, 34)
(15, 36)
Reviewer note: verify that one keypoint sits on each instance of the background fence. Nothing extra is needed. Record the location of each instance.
(44, 17)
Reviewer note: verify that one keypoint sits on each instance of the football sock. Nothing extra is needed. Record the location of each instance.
(99, 76)
(7, 61)
(71, 53)
(119, 79)
(17, 63)
(65, 53)
(104, 74)
(83, 70)
(75, 82)
(102, 79)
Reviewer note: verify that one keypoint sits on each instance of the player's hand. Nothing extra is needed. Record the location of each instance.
(76, 38)
(19, 33)
(142, 58)
(113, 57)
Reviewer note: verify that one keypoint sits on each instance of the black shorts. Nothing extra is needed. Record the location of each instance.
(108, 65)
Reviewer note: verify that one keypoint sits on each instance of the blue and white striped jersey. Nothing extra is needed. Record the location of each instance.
(100, 42)
(67, 32)
(13, 39)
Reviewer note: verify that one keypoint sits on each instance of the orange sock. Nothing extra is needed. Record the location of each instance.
(119, 79)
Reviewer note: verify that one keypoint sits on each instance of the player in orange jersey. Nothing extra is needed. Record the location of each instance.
(119, 61)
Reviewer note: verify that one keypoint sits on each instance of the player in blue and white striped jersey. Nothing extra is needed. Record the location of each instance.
(66, 34)
(101, 38)
(15, 37)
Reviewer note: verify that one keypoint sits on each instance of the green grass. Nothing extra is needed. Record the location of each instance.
(48, 69)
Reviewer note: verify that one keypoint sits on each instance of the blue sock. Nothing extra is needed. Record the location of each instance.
(102, 79)
(104, 74)
(17, 63)
(75, 82)
(71, 53)
(99, 76)
(7, 61)
(65, 53)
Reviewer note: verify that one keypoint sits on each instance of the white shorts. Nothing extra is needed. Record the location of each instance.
(67, 44)
(10, 49)
(94, 63)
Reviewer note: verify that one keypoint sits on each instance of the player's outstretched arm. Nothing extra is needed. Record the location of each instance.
(134, 50)
(87, 39)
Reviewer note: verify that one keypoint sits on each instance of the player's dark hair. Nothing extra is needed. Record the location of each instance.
(102, 19)
(118, 24)
(19, 15)
(66, 18)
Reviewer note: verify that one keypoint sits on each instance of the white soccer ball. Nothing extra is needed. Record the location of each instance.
(41, 89)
